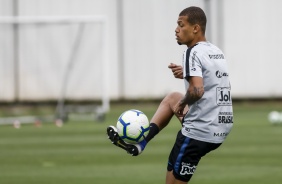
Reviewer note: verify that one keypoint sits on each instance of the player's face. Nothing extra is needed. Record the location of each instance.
(184, 31)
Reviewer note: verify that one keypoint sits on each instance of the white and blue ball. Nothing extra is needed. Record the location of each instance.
(133, 126)
(275, 117)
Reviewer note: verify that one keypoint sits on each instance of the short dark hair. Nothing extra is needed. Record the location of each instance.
(195, 16)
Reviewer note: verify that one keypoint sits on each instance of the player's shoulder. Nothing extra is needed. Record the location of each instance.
(204, 48)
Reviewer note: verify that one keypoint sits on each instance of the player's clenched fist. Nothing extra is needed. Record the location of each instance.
(177, 70)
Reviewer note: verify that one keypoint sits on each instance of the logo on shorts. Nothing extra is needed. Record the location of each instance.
(187, 168)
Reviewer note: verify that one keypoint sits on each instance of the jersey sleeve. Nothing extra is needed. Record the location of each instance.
(191, 64)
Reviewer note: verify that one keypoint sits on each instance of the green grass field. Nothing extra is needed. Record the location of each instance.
(80, 153)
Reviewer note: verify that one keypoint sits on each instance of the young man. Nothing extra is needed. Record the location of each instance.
(210, 117)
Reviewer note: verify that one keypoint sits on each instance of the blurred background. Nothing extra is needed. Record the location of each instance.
(98, 58)
(42, 40)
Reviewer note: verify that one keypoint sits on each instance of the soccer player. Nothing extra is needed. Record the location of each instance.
(205, 110)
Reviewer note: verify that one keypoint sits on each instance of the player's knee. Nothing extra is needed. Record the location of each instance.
(173, 97)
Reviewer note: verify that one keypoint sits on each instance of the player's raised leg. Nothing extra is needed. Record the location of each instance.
(164, 113)
(161, 118)
(165, 110)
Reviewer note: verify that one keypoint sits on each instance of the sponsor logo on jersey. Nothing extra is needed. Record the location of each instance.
(220, 134)
(216, 56)
(223, 96)
(194, 58)
(220, 74)
(187, 169)
(225, 117)
(187, 129)
(226, 113)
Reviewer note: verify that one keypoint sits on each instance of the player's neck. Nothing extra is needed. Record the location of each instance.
(196, 40)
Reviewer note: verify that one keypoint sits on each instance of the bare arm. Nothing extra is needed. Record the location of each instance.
(193, 94)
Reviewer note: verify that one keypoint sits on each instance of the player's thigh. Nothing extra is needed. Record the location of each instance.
(184, 157)
(169, 177)
(173, 98)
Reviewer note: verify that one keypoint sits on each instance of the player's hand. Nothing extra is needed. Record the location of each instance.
(180, 109)
(177, 70)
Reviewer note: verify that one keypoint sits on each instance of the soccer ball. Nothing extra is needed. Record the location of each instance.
(275, 117)
(133, 126)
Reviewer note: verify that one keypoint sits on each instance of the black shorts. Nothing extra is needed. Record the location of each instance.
(185, 156)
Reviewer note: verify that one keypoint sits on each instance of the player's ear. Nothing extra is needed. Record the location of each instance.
(196, 28)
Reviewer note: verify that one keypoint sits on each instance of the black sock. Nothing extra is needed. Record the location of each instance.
(154, 130)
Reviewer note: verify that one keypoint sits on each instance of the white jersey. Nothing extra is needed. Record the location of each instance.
(210, 119)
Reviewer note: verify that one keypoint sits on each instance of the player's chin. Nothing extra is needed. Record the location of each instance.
(179, 43)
